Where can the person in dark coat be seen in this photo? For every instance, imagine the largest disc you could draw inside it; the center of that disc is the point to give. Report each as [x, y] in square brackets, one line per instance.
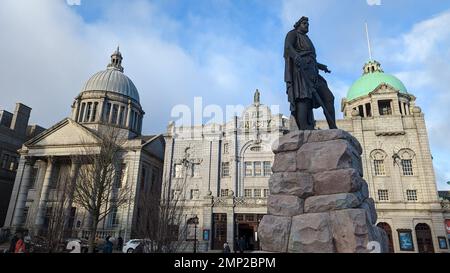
[108, 247]
[119, 243]
[13, 242]
[303, 82]
[241, 245]
[226, 248]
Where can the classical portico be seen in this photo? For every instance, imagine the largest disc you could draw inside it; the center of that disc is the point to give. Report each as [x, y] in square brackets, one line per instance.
[50, 162]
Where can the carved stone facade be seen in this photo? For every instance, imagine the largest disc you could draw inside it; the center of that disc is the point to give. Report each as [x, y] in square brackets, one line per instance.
[54, 156]
[227, 183]
[396, 159]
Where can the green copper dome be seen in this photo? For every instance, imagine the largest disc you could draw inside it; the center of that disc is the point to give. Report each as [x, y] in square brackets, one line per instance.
[372, 78]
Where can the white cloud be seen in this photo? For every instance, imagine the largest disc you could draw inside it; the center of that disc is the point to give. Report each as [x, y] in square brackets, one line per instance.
[422, 56]
[48, 52]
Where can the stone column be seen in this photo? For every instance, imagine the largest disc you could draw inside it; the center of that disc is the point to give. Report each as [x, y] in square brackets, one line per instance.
[403, 108]
[230, 224]
[42, 208]
[73, 179]
[128, 125]
[23, 193]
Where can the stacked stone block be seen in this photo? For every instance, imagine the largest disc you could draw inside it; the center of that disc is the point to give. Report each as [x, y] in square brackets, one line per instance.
[319, 202]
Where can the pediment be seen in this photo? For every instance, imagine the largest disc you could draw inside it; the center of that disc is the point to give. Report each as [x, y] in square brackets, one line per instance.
[64, 133]
[383, 89]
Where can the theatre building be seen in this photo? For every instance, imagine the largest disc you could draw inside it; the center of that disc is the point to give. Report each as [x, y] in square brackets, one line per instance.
[229, 166]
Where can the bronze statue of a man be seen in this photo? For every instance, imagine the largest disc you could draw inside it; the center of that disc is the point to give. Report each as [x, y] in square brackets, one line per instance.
[306, 89]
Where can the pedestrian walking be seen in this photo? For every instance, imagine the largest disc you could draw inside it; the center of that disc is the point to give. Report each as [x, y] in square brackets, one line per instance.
[241, 245]
[119, 243]
[20, 245]
[12, 244]
[108, 247]
[226, 248]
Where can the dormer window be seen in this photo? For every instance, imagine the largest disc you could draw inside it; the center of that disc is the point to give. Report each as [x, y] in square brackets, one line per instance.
[385, 107]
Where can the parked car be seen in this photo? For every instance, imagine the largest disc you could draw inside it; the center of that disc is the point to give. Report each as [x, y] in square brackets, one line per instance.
[133, 244]
[84, 244]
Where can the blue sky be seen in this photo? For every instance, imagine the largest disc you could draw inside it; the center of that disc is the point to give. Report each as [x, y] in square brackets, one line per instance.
[221, 50]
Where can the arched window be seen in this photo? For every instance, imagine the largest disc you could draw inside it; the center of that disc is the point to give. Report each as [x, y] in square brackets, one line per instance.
[387, 228]
[407, 161]
[379, 158]
[424, 238]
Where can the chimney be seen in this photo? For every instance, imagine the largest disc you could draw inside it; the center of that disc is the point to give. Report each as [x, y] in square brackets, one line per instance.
[20, 119]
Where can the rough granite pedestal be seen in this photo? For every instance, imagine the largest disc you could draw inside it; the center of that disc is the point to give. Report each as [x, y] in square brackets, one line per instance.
[319, 202]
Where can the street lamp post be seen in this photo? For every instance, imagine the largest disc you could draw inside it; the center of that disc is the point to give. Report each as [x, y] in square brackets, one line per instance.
[195, 220]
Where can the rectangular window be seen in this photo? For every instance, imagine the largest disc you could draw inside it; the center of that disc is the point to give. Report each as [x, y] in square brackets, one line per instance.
[379, 167]
[25, 215]
[257, 168]
[195, 194]
[176, 195]
[178, 171]
[33, 177]
[121, 114]
[196, 170]
[411, 195]
[361, 111]
[107, 113]
[385, 107]
[87, 117]
[115, 112]
[225, 169]
[407, 167]
[267, 168]
[266, 192]
[94, 112]
[224, 192]
[248, 169]
[81, 113]
[368, 110]
[226, 148]
[248, 193]
[114, 217]
[257, 193]
[5, 160]
[383, 195]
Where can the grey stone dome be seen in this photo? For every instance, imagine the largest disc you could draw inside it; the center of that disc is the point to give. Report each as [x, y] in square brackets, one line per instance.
[112, 80]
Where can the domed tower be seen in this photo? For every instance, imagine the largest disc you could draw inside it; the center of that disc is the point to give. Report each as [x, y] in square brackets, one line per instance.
[376, 93]
[110, 97]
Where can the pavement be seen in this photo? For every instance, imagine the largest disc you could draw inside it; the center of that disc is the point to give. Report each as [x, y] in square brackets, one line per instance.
[3, 247]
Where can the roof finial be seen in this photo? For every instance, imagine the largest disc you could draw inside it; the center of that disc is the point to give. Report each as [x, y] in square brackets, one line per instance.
[368, 42]
[257, 97]
[116, 60]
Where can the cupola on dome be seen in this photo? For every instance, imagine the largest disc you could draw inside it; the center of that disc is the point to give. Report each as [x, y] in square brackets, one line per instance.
[373, 76]
[113, 79]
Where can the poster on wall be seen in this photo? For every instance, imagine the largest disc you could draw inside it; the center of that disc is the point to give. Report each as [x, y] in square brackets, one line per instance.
[447, 225]
[442, 243]
[405, 240]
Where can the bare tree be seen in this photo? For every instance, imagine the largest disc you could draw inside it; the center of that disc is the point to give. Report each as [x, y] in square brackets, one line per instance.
[57, 213]
[162, 218]
[96, 189]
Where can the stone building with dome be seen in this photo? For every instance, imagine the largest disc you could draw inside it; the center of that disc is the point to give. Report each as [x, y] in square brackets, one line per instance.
[231, 165]
[109, 98]
[226, 169]
[398, 164]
